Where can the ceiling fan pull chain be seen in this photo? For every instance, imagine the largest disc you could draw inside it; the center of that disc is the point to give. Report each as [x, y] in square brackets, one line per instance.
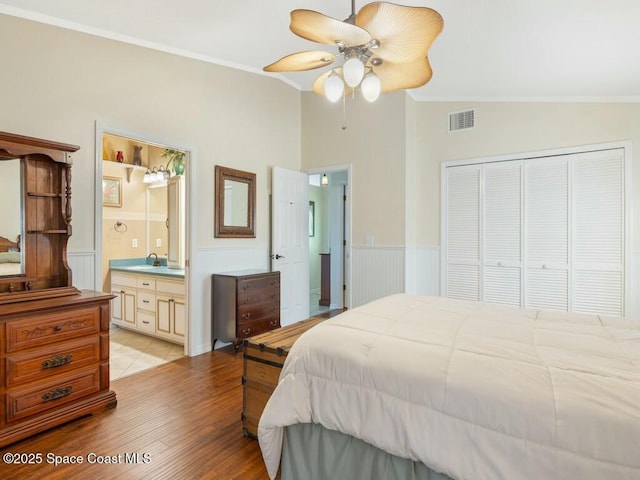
[344, 112]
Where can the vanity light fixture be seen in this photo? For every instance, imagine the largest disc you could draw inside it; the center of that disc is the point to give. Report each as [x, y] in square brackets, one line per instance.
[156, 175]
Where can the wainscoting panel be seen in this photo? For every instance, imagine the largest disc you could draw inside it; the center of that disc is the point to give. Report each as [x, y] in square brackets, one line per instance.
[376, 271]
[82, 266]
[203, 263]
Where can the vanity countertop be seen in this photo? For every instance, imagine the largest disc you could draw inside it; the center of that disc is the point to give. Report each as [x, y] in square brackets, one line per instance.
[144, 266]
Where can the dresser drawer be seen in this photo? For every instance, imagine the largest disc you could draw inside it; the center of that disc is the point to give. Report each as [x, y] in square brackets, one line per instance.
[37, 399]
[146, 301]
[258, 295]
[258, 311]
[43, 363]
[53, 327]
[246, 285]
[249, 329]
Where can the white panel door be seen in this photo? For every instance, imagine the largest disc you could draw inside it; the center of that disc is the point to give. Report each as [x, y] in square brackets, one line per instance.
[502, 232]
[547, 222]
[463, 269]
[598, 223]
[290, 242]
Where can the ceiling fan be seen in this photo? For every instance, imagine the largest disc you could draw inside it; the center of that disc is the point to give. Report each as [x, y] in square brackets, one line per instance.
[384, 47]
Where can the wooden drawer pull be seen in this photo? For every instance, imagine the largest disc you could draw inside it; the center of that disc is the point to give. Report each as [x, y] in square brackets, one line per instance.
[59, 392]
[273, 323]
[57, 361]
[246, 331]
[246, 316]
[57, 328]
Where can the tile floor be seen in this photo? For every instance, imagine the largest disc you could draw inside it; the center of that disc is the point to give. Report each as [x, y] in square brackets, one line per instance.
[314, 307]
[132, 352]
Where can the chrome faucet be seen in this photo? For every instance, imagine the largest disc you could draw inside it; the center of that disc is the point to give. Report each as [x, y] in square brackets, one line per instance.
[156, 262]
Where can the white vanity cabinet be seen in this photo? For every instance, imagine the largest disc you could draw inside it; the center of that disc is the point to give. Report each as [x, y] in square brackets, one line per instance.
[170, 309]
[149, 304]
[123, 306]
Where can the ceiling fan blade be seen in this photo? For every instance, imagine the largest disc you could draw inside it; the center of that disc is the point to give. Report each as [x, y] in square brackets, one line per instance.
[319, 28]
[301, 61]
[318, 85]
[400, 76]
[405, 33]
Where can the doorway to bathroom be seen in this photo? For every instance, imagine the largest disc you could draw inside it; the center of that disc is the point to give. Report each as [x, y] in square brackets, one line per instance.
[141, 225]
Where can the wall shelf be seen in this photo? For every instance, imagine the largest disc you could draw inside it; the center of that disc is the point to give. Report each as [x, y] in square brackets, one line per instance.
[129, 168]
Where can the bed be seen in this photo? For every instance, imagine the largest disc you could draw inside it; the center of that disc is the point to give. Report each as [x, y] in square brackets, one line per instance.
[10, 257]
[458, 389]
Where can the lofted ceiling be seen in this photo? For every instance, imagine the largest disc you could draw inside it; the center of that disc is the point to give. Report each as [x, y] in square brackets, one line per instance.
[520, 50]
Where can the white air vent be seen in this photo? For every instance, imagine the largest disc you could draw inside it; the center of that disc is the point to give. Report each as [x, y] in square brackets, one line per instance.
[462, 120]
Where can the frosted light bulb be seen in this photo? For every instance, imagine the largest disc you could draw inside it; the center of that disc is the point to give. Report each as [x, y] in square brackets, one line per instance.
[333, 87]
[370, 87]
[353, 71]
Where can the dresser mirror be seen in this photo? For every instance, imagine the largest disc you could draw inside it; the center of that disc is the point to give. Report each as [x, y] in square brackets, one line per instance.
[35, 218]
[11, 226]
[235, 200]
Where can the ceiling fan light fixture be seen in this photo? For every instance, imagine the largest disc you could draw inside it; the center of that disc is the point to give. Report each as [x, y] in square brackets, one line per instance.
[333, 87]
[353, 71]
[370, 87]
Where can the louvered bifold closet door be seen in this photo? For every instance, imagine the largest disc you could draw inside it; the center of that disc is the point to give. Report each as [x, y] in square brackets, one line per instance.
[462, 274]
[598, 232]
[546, 183]
[502, 238]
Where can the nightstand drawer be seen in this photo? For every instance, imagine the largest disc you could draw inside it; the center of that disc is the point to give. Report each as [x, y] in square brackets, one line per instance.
[43, 363]
[47, 396]
[52, 327]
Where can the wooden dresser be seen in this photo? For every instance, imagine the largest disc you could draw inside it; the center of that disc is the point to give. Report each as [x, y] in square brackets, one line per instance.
[54, 338]
[244, 304]
[55, 354]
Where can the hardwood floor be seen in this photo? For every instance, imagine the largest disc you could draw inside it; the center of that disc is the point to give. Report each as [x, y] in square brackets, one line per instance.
[182, 419]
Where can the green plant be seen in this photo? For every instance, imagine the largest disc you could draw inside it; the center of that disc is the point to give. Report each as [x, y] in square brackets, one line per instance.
[176, 157]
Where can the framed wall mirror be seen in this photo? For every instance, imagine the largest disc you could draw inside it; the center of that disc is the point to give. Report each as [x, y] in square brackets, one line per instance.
[235, 201]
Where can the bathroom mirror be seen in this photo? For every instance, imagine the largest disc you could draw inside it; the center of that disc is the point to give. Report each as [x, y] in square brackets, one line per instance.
[11, 208]
[235, 199]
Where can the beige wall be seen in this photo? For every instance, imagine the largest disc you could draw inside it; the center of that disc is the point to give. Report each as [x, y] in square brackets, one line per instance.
[374, 143]
[57, 83]
[506, 128]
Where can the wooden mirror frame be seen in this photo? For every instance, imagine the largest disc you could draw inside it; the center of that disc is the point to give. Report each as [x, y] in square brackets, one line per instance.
[46, 218]
[230, 231]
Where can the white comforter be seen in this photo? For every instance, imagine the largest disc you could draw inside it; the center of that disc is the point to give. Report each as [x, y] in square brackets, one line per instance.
[473, 390]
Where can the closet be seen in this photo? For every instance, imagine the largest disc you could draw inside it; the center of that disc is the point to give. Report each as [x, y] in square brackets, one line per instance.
[545, 232]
